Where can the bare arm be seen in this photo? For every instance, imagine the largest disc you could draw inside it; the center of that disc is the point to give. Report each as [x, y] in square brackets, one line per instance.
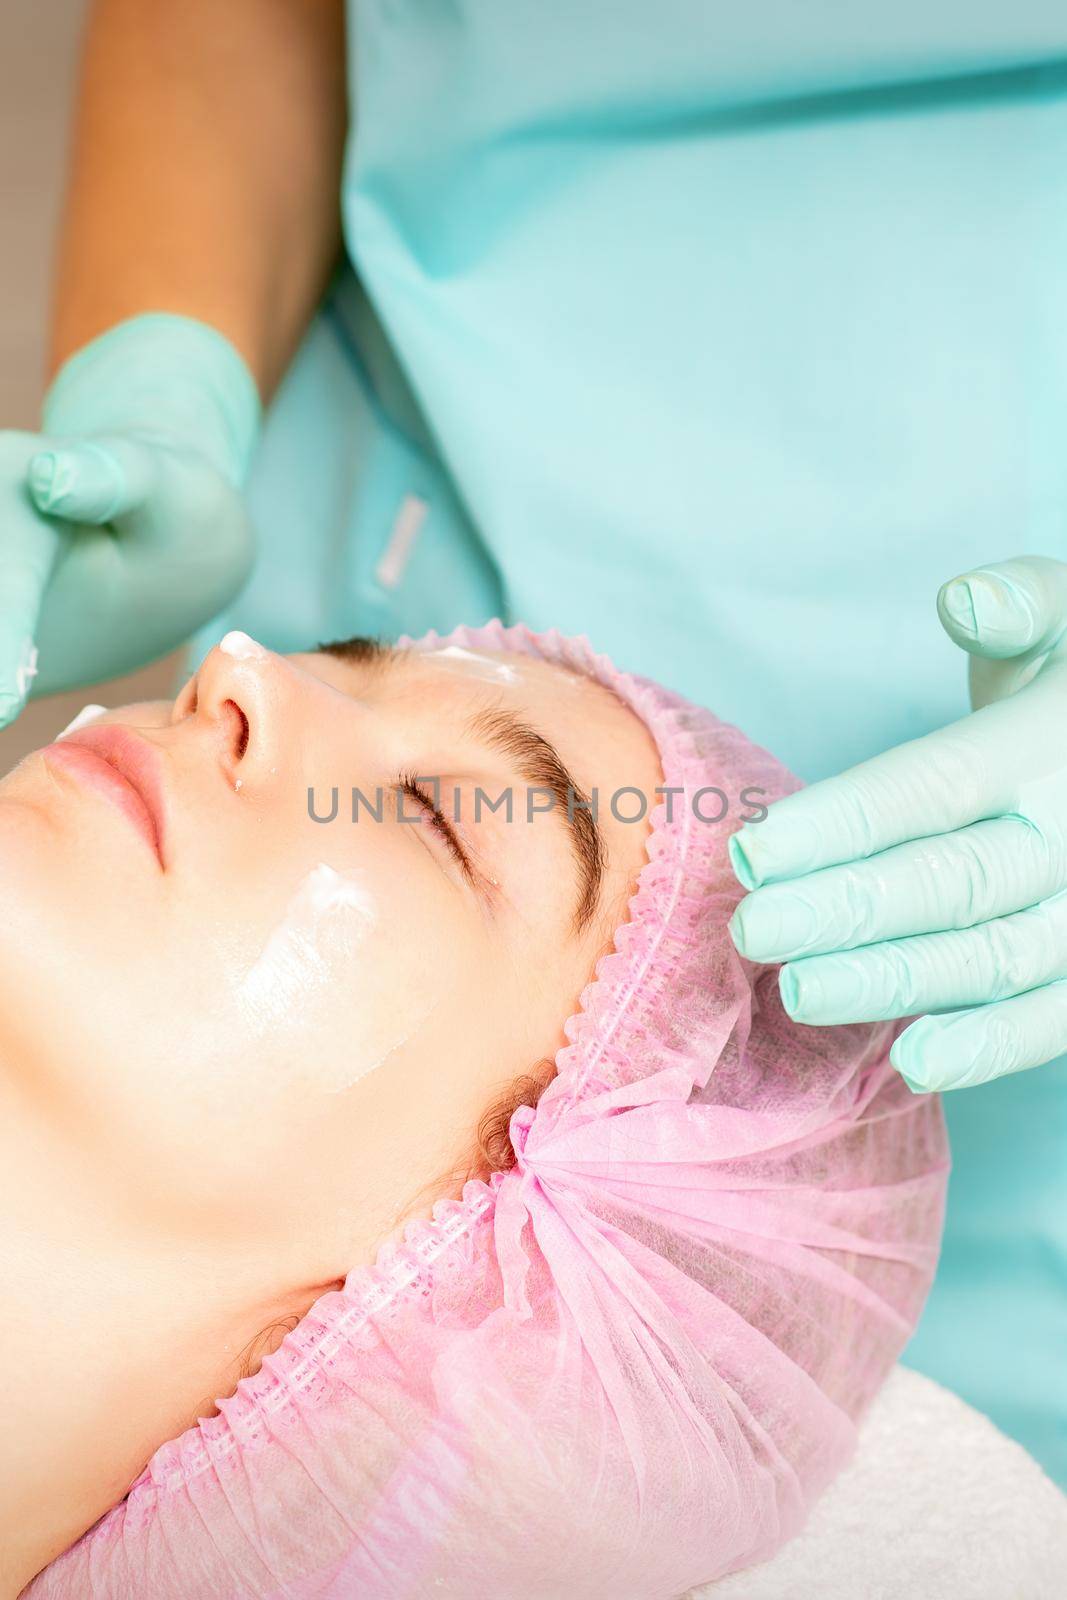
[205, 177]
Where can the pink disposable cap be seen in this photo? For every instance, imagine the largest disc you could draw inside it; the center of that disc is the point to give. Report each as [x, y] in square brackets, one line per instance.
[629, 1364]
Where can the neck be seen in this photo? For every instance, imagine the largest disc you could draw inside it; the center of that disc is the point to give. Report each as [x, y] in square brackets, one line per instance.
[120, 1338]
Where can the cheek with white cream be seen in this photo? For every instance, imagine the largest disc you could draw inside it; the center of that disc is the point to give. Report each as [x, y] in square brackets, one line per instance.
[307, 960]
[329, 915]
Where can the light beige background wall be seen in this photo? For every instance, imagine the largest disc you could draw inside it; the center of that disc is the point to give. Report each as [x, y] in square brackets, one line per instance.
[38, 48]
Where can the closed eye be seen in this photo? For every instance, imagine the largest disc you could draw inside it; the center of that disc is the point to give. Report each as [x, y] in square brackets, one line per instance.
[409, 785]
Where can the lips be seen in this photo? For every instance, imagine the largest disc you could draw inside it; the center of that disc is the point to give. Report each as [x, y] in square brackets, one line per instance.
[124, 769]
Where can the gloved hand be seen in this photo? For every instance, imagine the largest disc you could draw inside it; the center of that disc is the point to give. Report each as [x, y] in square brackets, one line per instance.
[933, 878]
[122, 527]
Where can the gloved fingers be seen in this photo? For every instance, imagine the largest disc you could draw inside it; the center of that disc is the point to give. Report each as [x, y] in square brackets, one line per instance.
[924, 886]
[1010, 616]
[162, 571]
[962, 1048]
[931, 971]
[1007, 608]
[28, 553]
[92, 480]
[931, 785]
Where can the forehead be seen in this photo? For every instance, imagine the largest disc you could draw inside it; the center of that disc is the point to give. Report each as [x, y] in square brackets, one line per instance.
[593, 729]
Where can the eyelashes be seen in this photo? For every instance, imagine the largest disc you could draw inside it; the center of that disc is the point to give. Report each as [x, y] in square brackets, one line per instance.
[409, 785]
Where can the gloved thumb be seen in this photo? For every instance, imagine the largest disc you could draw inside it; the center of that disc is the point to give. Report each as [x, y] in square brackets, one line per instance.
[1008, 616]
[1006, 609]
[91, 481]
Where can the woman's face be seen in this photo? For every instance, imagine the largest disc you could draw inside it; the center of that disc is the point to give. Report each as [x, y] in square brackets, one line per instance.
[246, 1008]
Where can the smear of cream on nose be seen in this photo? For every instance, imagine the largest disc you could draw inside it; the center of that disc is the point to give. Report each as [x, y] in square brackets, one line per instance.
[326, 919]
[86, 714]
[240, 646]
[478, 666]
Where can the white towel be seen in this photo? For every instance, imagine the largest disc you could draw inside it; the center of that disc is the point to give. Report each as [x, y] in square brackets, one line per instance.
[935, 1505]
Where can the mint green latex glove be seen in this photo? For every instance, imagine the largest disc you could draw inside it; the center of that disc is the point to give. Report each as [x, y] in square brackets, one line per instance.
[122, 526]
[933, 878]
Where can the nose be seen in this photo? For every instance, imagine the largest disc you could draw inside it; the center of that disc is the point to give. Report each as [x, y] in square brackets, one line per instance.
[237, 693]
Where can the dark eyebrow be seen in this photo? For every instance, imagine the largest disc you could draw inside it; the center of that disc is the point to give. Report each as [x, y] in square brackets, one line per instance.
[361, 651]
[536, 760]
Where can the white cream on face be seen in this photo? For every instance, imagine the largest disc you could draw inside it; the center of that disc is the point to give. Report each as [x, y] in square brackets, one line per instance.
[360, 1071]
[326, 919]
[241, 647]
[304, 959]
[86, 714]
[308, 953]
[474, 664]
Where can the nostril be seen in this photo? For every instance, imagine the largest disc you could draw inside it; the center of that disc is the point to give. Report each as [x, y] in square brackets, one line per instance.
[242, 733]
[186, 700]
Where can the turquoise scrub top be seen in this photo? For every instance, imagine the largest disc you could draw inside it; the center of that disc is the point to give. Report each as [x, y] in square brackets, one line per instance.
[723, 334]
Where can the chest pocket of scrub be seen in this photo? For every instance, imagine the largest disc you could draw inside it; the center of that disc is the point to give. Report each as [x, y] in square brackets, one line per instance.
[412, 558]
